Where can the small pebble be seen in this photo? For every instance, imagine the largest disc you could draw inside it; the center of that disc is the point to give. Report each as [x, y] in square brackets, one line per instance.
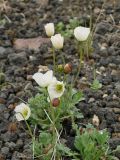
[102, 68]
[105, 95]
[114, 72]
[2, 100]
[116, 110]
[91, 100]
[112, 65]
[97, 10]
[29, 77]
[115, 97]
[84, 79]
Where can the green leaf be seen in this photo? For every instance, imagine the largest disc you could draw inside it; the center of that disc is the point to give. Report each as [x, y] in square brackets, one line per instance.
[77, 97]
[65, 150]
[92, 144]
[37, 105]
[45, 138]
[76, 112]
[113, 158]
[2, 22]
[96, 85]
[117, 149]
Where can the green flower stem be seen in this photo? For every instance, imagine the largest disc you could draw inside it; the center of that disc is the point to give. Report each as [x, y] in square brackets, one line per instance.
[52, 113]
[94, 72]
[63, 59]
[53, 119]
[29, 129]
[32, 136]
[55, 132]
[87, 49]
[80, 61]
[65, 78]
[54, 61]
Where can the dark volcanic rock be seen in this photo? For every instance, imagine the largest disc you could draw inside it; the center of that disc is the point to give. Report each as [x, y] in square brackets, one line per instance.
[27, 21]
[103, 27]
[19, 59]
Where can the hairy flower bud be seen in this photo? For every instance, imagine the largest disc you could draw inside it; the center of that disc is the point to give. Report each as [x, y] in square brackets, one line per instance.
[49, 28]
[55, 102]
[60, 68]
[68, 68]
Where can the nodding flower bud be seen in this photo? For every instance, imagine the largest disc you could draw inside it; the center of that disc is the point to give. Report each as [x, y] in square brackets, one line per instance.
[55, 102]
[68, 68]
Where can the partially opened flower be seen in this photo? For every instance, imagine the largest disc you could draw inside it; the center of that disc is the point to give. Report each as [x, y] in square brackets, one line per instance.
[56, 89]
[50, 29]
[23, 112]
[81, 33]
[57, 41]
[44, 80]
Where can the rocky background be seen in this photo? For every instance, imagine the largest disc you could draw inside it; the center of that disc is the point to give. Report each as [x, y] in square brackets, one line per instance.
[19, 59]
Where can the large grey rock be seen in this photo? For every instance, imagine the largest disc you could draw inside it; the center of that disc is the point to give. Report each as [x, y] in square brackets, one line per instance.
[5, 150]
[2, 52]
[19, 59]
[2, 108]
[8, 137]
[19, 143]
[10, 145]
[103, 27]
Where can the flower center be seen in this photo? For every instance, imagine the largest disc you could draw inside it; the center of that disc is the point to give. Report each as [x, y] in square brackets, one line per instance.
[59, 87]
[25, 113]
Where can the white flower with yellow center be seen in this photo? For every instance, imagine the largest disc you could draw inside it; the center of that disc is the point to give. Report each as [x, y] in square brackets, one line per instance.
[56, 89]
[23, 112]
[43, 80]
[81, 33]
[50, 29]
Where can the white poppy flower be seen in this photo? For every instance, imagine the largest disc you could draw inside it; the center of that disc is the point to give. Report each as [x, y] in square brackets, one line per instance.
[56, 89]
[50, 29]
[23, 112]
[44, 80]
[81, 33]
[57, 41]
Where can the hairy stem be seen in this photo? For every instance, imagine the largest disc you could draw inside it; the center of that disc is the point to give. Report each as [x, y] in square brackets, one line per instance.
[54, 62]
[80, 63]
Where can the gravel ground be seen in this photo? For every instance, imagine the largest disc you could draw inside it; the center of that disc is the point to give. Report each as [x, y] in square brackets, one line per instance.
[26, 19]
